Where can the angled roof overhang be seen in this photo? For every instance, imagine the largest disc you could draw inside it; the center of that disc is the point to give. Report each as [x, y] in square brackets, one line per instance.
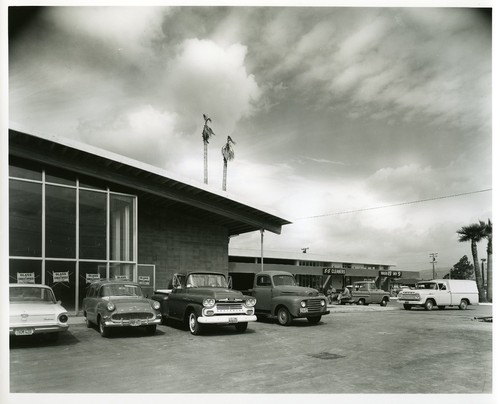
[147, 182]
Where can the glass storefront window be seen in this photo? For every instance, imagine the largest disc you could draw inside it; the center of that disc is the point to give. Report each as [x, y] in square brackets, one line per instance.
[61, 277]
[92, 225]
[62, 178]
[26, 173]
[89, 272]
[25, 219]
[25, 271]
[121, 271]
[121, 227]
[43, 233]
[60, 222]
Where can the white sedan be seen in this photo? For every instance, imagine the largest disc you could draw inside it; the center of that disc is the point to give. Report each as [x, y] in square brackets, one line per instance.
[33, 309]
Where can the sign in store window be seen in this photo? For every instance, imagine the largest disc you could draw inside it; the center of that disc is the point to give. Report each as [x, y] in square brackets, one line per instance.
[25, 277]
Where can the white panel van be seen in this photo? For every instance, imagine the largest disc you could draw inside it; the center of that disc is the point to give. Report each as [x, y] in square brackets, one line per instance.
[440, 293]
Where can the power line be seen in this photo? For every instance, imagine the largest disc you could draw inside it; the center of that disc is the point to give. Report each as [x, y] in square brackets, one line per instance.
[394, 205]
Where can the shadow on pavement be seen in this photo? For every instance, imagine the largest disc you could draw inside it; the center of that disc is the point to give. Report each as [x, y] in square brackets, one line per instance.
[42, 340]
[129, 332]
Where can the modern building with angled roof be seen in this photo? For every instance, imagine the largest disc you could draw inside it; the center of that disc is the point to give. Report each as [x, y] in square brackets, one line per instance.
[78, 213]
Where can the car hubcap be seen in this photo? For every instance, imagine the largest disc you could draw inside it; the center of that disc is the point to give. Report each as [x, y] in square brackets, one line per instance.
[282, 316]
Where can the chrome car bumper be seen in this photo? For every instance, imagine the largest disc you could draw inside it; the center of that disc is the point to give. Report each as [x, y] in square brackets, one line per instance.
[227, 319]
[131, 322]
[27, 329]
[312, 314]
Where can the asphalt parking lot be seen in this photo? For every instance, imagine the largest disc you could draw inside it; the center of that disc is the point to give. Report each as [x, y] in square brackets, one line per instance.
[354, 350]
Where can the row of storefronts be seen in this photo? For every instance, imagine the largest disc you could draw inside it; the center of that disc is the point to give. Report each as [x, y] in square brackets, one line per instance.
[315, 271]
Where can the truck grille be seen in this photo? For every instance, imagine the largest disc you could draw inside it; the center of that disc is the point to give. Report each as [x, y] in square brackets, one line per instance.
[229, 307]
[408, 296]
[314, 305]
[132, 316]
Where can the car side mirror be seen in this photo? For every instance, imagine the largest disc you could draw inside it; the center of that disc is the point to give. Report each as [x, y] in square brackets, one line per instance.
[230, 283]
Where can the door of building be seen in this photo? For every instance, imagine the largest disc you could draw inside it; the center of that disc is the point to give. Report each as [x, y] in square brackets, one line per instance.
[146, 278]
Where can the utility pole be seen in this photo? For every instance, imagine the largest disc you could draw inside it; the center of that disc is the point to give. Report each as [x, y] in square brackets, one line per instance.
[261, 250]
[433, 256]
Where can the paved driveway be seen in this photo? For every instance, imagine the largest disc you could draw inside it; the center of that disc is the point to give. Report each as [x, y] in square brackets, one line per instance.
[352, 351]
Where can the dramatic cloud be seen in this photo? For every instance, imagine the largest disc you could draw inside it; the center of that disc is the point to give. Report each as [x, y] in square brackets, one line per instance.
[208, 78]
[333, 110]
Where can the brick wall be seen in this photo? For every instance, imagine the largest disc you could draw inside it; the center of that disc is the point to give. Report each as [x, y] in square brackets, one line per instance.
[177, 243]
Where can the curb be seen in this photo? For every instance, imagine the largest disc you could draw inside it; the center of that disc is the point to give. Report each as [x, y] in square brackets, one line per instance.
[352, 308]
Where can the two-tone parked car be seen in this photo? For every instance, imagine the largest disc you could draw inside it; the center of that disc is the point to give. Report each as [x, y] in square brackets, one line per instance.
[33, 309]
[199, 298]
[113, 304]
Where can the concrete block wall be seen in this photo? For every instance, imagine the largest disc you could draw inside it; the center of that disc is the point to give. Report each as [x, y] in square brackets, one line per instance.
[174, 242]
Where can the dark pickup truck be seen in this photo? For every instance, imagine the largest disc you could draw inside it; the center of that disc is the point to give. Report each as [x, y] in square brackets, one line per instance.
[198, 298]
[278, 295]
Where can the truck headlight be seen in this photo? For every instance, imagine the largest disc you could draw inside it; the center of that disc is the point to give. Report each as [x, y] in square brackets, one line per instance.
[156, 305]
[209, 302]
[250, 302]
[110, 306]
[322, 303]
[303, 303]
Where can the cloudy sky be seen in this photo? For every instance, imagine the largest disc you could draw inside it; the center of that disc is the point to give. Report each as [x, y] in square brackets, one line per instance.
[368, 128]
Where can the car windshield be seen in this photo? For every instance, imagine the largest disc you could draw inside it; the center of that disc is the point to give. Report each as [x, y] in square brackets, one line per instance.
[121, 289]
[426, 285]
[286, 280]
[28, 294]
[206, 280]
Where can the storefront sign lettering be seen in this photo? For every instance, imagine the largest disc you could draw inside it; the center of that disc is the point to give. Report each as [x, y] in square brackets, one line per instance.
[333, 271]
[392, 274]
[144, 280]
[121, 277]
[60, 276]
[25, 277]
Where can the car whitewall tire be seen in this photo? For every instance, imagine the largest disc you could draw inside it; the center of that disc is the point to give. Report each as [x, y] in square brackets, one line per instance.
[194, 326]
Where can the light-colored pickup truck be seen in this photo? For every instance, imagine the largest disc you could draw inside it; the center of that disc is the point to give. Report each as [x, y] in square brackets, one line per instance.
[440, 293]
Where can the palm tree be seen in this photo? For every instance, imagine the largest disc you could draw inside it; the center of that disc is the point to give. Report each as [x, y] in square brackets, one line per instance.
[206, 134]
[227, 155]
[474, 233]
[488, 234]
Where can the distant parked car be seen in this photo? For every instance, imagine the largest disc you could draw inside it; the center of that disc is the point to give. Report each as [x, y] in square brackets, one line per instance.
[398, 289]
[365, 293]
[111, 304]
[33, 309]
